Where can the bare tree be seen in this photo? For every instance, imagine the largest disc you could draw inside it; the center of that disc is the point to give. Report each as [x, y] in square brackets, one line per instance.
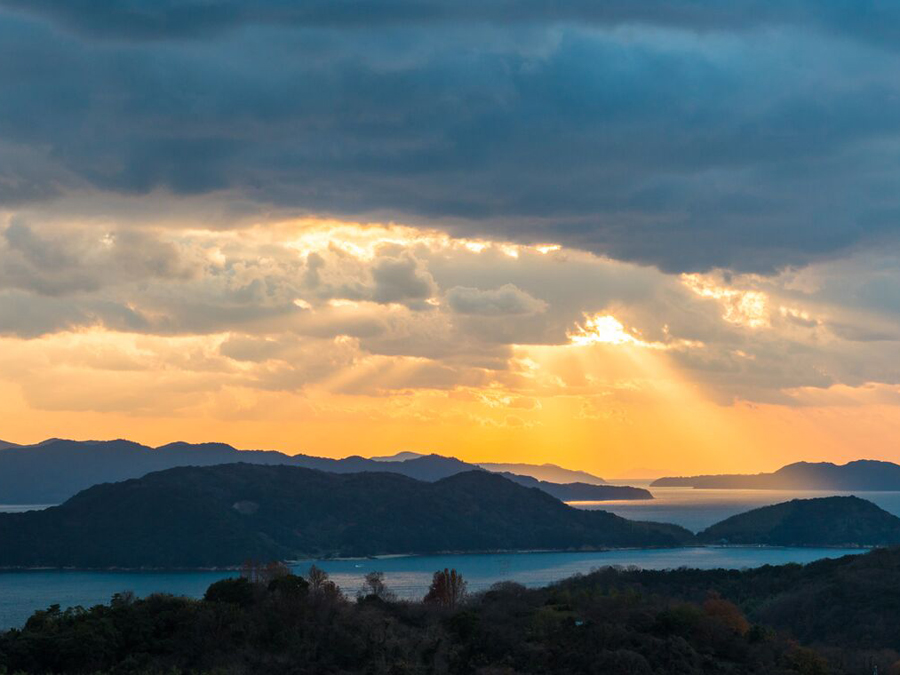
[317, 578]
[448, 589]
[373, 586]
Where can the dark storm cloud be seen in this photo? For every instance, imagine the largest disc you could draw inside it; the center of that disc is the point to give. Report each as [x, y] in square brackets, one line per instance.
[159, 19]
[696, 137]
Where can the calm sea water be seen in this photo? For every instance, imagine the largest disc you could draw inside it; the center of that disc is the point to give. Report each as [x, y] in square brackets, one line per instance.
[698, 509]
[21, 593]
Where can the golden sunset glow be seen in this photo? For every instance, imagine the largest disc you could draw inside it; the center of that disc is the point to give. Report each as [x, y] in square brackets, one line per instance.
[613, 241]
[335, 338]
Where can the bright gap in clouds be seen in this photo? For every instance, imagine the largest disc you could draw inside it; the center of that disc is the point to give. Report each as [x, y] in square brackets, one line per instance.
[478, 348]
[606, 329]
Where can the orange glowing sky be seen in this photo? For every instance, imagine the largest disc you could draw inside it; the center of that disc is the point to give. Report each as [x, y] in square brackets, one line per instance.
[335, 338]
[624, 237]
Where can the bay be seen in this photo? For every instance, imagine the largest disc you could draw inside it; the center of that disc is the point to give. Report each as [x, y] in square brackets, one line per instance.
[23, 592]
[698, 509]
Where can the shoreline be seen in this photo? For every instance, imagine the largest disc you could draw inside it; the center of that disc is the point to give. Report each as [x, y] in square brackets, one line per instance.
[390, 556]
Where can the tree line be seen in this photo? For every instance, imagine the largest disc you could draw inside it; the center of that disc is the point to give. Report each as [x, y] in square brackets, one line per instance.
[834, 616]
[271, 620]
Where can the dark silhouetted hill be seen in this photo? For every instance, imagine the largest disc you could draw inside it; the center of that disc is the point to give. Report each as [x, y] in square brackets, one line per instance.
[864, 474]
[397, 457]
[581, 492]
[829, 521]
[550, 473]
[225, 514]
[52, 471]
[545, 472]
[6, 444]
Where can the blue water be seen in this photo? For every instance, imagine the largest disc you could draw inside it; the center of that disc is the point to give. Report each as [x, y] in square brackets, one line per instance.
[21, 593]
[698, 509]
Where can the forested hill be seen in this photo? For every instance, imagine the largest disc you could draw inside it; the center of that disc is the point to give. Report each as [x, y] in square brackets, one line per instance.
[861, 475]
[829, 521]
[581, 492]
[52, 471]
[225, 514]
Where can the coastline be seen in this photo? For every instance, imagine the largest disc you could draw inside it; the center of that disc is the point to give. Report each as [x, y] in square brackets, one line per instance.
[393, 556]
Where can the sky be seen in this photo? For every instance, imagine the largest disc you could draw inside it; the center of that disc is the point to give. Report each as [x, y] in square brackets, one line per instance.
[632, 238]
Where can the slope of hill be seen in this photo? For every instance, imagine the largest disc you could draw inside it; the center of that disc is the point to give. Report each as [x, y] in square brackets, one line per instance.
[545, 472]
[222, 515]
[429, 467]
[828, 521]
[52, 471]
[864, 474]
[397, 457]
[6, 444]
[581, 492]
[550, 473]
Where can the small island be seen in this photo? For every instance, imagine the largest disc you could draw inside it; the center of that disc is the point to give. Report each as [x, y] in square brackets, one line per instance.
[828, 521]
[859, 476]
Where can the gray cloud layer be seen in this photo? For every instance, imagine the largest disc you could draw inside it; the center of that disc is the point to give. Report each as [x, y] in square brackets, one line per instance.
[162, 19]
[385, 309]
[688, 134]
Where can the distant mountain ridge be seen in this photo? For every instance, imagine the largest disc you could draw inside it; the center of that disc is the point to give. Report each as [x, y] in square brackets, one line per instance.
[580, 492]
[826, 521]
[551, 473]
[859, 475]
[54, 470]
[546, 472]
[6, 444]
[398, 457]
[222, 515]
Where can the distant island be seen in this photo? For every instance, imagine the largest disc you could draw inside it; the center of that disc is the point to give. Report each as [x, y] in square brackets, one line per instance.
[581, 492]
[861, 475]
[827, 521]
[56, 469]
[216, 516]
[546, 472]
[220, 516]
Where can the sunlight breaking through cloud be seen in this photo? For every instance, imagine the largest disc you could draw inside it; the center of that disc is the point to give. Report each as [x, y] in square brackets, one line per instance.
[747, 308]
[607, 329]
[604, 329]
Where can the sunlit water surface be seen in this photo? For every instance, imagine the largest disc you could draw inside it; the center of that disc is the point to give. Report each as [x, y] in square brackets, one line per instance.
[698, 509]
